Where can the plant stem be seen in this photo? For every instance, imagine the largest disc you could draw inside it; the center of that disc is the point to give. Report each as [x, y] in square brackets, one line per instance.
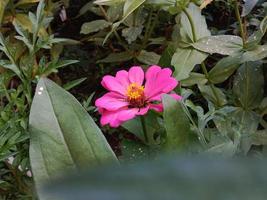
[115, 32]
[144, 128]
[204, 69]
[6, 92]
[203, 66]
[241, 27]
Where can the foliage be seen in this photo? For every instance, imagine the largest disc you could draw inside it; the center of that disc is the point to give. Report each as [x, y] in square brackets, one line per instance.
[216, 49]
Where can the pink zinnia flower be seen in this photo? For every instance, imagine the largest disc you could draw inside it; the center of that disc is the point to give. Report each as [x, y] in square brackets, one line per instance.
[134, 93]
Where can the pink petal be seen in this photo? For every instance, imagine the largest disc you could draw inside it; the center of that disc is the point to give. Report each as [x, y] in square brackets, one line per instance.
[123, 77]
[143, 111]
[117, 117]
[159, 97]
[159, 81]
[136, 75]
[157, 107]
[111, 101]
[127, 114]
[112, 84]
[176, 96]
[111, 118]
[152, 71]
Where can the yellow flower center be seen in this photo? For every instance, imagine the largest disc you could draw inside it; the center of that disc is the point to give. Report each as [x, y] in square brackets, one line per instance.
[135, 95]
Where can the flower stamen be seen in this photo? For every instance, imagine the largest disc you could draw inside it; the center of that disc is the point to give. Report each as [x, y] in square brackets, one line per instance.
[135, 95]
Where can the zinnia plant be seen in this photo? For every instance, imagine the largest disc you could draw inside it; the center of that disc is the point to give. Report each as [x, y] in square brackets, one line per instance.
[133, 93]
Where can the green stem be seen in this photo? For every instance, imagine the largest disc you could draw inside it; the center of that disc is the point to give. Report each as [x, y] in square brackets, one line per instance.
[241, 27]
[203, 66]
[147, 29]
[204, 69]
[6, 93]
[144, 128]
[102, 9]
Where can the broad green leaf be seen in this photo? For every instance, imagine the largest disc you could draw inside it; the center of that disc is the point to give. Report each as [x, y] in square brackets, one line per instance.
[223, 69]
[131, 33]
[221, 44]
[256, 37]
[149, 58]
[194, 79]
[63, 137]
[94, 26]
[166, 56]
[23, 2]
[130, 6]
[134, 126]
[199, 22]
[248, 6]
[260, 52]
[248, 85]
[115, 12]
[259, 137]
[74, 83]
[133, 151]
[247, 123]
[176, 123]
[226, 149]
[3, 4]
[246, 120]
[116, 57]
[213, 94]
[90, 6]
[184, 61]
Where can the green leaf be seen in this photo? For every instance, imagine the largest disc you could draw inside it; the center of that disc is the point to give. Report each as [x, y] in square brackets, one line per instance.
[90, 6]
[259, 137]
[248, 6]
[248, 85]
[134, 126]
[194, 79]
[247, 123]
[224, 69]
[8, 65]
[63, 136]
[166, 57]
[3, 4]
[199, 22]
[116, 57]
[133, 151]
[209, 91]
[52, 66]
[184, 61]
[94, 26]
[149, 58]
[258, 53]
[256, 37]
[108, 2]
[130, 6]
[23, 2]
[226, 149]
[131, 33]
[221, 44]
[176, 123]
[73, 84]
